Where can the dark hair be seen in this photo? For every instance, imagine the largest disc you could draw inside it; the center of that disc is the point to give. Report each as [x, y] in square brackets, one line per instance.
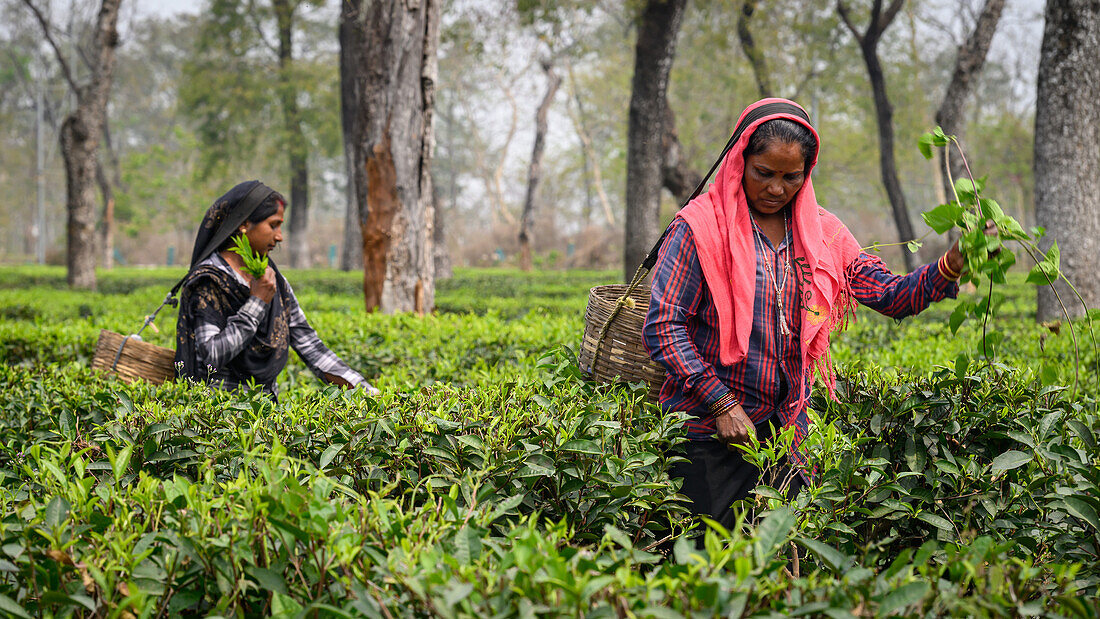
[266, 209]
[783, 131]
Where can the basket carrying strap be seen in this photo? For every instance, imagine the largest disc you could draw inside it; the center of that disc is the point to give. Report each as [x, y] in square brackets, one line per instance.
[650, 260]
[169, 299]
[118, 353]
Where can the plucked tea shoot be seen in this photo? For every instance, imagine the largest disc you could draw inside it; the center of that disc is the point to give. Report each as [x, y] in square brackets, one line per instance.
[254, 263]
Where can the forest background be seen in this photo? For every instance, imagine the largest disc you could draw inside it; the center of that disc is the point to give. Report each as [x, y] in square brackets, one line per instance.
[194, 109]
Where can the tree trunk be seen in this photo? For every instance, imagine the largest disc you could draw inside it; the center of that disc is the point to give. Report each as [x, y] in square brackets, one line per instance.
[351, 258]
[107, 190]
[440, 254]
[80, 135]
[534, 169]
[296, 146]
[654, 53]
[968, 67]
[884, 115]
[107, 236]
[350, 36]
[393, 70]
[752, 52]
[676, 175]
[1067, 155]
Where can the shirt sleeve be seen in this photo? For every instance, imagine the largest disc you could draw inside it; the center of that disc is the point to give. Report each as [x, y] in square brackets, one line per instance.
[897, 296]
[317, 357]
[675, 295]
[216, 345]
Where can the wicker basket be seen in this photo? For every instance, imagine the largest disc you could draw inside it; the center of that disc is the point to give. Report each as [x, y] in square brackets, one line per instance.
[612, 348]
[132, 359]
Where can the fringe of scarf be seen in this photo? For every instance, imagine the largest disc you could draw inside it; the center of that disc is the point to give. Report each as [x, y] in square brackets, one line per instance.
[841, 315]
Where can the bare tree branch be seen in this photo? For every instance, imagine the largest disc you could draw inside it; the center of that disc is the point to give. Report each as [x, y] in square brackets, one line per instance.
[845, 16]
[752, 51]
[891, 12]
[57, 50]
[259, 29]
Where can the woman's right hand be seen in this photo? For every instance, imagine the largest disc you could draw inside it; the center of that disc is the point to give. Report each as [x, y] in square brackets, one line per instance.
[264, 287]
[734, 426]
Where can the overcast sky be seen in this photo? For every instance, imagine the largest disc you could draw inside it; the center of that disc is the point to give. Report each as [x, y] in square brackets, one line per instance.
[166, 8]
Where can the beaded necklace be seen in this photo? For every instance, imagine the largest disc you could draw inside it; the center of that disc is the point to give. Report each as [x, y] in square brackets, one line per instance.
[784, 329]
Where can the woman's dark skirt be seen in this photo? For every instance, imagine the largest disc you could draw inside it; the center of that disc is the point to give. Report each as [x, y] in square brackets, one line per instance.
[715, 476]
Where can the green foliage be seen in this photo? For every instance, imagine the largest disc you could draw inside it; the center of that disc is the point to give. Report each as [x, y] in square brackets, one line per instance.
[490, 479]
[235, 87]
[254, 263]
[987, 256]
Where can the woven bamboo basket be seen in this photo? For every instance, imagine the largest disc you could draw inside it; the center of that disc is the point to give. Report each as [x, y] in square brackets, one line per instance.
[612, 348]
[132, 359]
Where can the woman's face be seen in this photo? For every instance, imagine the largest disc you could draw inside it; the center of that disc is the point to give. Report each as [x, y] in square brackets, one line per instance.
[773, 177]
[265, 235]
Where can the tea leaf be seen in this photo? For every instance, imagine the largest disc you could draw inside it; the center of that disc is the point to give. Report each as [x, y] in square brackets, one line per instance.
[268, 579]
[943, 217]
[9, 606]
[254, 264]
[771, 532]
[924, 143]
[902, 597]
[57, 511]
[1083, 510]
[1009, 460]
[1046, 272]
[831, 557]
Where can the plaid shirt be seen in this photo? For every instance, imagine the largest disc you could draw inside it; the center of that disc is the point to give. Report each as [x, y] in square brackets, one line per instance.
[216, 346]
[681, 330]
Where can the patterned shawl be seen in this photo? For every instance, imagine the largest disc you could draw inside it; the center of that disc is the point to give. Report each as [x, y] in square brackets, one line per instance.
[211, 296]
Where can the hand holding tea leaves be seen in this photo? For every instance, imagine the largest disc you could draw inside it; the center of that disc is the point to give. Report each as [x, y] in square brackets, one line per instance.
[263, 283]
[983, 249]
[254, 263]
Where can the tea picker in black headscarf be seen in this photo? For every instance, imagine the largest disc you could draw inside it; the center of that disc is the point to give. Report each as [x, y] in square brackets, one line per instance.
[233, 328]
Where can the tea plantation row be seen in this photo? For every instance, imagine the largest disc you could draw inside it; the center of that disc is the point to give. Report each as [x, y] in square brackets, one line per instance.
[490, 479]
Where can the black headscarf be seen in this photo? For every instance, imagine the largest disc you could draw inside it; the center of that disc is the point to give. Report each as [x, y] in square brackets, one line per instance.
[211, 296]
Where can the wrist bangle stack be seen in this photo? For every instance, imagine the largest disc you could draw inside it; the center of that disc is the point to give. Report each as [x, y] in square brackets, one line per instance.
[723, 404]
[945, 270]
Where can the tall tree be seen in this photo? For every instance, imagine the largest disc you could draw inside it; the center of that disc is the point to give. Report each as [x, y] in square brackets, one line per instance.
[534, 168]
[107, 186]
[868, 41]
[968, 67]
[1067, 148]
[393, 76]
[354, 216]
[80, 135]
[254, 86]
[297, 149]
[655, 50]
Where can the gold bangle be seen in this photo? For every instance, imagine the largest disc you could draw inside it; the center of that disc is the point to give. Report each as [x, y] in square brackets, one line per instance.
[946, 271]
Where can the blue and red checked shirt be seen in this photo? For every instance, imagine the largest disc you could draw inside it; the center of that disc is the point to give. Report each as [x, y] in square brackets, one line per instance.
[681, 330]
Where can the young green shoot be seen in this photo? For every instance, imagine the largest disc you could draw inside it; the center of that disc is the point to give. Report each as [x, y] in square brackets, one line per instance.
[254, 263]
[986, 255]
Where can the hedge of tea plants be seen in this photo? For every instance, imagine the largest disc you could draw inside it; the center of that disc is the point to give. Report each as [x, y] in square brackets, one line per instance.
[491, 479]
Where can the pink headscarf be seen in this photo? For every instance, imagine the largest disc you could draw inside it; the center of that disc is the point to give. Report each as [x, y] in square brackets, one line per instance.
[722, 226]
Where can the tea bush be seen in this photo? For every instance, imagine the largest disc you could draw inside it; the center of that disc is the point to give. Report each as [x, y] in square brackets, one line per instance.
[489, 479]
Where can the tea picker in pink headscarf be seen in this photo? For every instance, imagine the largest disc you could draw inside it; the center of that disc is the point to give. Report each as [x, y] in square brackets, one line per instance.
[751, 279]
